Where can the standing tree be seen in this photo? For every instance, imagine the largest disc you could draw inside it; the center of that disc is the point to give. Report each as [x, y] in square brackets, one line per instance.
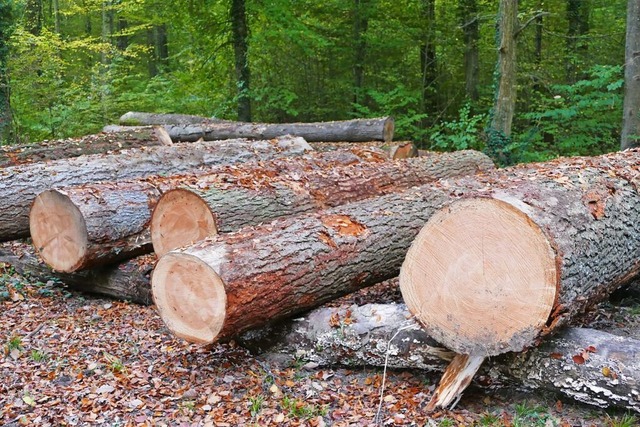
[428, 59]
[630, 136]
[240, 34]
[578, 17]
[470, 24]
[360, 24]
[6, 27]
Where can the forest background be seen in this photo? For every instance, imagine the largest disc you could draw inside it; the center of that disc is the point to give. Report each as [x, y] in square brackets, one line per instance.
[67, 68]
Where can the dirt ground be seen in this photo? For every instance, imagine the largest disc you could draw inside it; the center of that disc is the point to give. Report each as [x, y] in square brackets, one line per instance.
[68, 359]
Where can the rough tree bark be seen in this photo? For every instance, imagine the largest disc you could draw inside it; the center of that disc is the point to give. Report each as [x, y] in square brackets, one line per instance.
[138, 118]
[590, 366]
[495, 271]
[212, 204]
[630, 135]
[356, 130]
[240, 38]
[90, 144]
[110, 221]
[19, 185]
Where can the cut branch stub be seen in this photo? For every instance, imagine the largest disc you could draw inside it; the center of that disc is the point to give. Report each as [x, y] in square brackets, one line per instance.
[481, 276]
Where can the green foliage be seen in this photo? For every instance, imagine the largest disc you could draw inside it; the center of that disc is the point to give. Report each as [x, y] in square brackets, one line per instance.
[461, 134]
[298, 409]
[626, 420]
[255, 404]
[38, 356]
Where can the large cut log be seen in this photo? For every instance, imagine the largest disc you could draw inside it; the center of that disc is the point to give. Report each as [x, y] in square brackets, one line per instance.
[107, 222]
[90, 144]
[19, 185]
[587, 365]
[356, 130]
[126, 281]
[524, 254]
[231, 283]
[220, 203]
[137, 118]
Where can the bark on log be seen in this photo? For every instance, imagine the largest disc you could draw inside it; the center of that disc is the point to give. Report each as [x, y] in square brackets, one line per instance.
[492, 272]
[231, 283]
[356, 130]
[128, 281]
[590, 366]
[110, 221]
[91, 144]
[221, 203]
[396, 150]
[137, 118]
[19, 185]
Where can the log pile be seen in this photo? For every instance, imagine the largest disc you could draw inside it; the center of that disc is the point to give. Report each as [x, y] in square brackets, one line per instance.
[492, 263]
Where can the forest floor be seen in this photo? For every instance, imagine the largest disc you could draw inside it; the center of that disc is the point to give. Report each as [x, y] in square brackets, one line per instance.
[68, 359]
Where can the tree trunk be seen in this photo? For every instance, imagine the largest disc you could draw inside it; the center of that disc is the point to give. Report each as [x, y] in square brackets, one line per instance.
[136, 118]
[578, 18]
[19, 185]
[33, 16]
[110, 221]
[219, 203]
[541, 243]
[240, 37]
[471, 35]
[360, 25]
[129, 280]
[356, 130]
[499, 130]
[428, 58]
[56, 16]
[589, 366]
[90, 144]
[630, 135]
[6, 28]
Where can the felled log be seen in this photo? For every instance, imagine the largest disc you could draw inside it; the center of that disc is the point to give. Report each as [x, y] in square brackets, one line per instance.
[396, 149]
[195, 209]
[356, 130]
[107, 222]
[522, 255]
[128, 280]
[138, 118]
[590, 366]
[90, 144]
[19, 185]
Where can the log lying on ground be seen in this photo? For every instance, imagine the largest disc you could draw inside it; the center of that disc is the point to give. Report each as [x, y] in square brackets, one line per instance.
[587, 365]
[396, 150]
[138, 118]
[128, 281]
[91, 144]
[220, 203]
[231, 283]
[492, 272]
[356, 130]
[107, 222]
[19, 185]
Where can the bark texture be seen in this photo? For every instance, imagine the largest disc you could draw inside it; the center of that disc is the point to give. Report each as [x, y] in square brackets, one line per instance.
[590, 366]
[138, 118]
[129, 280]
[19, 185]
[113, 221]
[91, 144]
[226, 203]
[630, 135]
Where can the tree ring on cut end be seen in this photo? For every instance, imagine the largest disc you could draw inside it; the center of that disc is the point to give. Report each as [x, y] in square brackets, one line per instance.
[190, 297]
[481, 277]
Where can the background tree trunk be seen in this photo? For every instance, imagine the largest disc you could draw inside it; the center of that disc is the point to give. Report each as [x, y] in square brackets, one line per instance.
[6, 28]
[428, 60]
[577, 46]
[469, 20]
[360, 25]
[630, 136]
[240, 38]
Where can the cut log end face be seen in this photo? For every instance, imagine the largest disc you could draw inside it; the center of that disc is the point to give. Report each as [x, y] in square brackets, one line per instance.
[190, 297]
[389, 128]
[481, 277]
[179, 219]
[58, 231]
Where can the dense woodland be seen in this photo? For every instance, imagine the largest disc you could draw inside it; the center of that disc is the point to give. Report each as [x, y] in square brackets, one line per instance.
[70, 67]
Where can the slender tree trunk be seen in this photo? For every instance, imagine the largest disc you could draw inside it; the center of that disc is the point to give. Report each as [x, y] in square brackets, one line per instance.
[499, 130]
[162, 45]
[152, 65]
[122, 41]
[240, 35]
[471, 34]
[578, 17]
[360, 25]
[33, 16]
[428, 60]
[630, 135]
[56, 16]
[6, 26]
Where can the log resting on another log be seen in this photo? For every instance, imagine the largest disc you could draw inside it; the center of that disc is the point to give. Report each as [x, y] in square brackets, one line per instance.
[590, 366]
[215, 203]
[19, 185]
[356, 130]
[138, 118]
[110, 142]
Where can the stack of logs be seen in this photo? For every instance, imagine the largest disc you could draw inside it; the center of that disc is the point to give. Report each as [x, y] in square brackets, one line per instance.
[242, 232]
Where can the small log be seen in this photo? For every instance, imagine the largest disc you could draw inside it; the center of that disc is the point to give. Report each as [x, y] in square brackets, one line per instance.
[590, 366]
[356, 130]
[524, 254]
[108, 222]
[19, 185]
[405, 150]
[215, 203]
[91, 144]
[137, 118]
[396, 150]
[128, 281]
